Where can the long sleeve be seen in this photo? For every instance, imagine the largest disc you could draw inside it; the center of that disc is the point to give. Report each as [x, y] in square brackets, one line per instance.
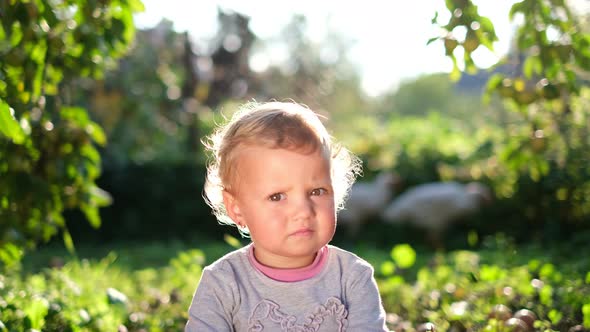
[365, 310]
[212, 305]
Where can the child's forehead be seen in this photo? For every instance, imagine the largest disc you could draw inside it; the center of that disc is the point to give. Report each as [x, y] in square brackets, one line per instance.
[258, 154]
[304, 149]
[277, 163]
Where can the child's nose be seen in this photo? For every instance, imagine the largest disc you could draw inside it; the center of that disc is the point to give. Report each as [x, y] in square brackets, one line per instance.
[304, 208]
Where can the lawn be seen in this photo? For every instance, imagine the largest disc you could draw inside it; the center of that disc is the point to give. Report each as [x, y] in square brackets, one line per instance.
[495, 286]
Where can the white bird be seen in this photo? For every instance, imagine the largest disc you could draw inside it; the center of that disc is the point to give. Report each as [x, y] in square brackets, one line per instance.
[367, 200]
[434, 206]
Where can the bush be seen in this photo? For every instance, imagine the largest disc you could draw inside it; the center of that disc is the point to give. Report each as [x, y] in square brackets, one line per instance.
[480, 291]
[151, 202]
[462, 290]
[101, 296]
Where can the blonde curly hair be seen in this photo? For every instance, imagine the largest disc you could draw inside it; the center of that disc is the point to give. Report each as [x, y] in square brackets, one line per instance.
[276, 125]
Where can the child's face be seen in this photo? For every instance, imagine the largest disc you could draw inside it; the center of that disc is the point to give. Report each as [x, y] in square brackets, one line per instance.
[286, 200]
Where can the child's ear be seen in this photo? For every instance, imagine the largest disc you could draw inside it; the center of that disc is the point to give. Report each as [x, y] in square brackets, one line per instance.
[232, 208]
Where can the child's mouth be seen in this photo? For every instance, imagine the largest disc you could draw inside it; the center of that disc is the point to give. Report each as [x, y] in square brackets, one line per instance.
[303, 232]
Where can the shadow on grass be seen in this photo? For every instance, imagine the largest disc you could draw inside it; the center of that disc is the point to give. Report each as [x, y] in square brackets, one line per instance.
[130, 255]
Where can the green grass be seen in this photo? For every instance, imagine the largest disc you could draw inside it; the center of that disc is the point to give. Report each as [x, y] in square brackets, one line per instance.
[149, 285]
[137, 255]
[131, 255]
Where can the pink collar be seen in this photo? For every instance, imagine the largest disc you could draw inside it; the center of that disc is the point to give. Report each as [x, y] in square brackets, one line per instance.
[291, 275]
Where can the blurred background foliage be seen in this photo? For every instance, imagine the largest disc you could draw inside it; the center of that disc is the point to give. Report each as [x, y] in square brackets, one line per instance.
[97, 115]
[100, 129]
[49, 160]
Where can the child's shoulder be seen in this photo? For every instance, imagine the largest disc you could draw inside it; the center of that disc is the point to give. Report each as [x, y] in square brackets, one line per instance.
[349, 258]
[230, 260]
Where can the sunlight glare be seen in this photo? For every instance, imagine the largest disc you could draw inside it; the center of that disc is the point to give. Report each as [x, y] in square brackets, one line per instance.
[386, 43]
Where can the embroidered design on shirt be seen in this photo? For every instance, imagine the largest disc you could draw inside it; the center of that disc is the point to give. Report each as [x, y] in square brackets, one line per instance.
[330, 316]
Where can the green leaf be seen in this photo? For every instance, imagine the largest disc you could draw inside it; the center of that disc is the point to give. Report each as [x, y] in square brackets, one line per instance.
[472, 238]
[395, 280]
[9, 126]
[90, 152]
[586, 312]
[435, 18]
[36, 311]
[456, 72]
[97, 134]
[518, 7]
[135, 6]
[450, 5]
[545, 9]
[403, 255]
[68, 242]
[387, 268]
[487, 26]
[77, 114]
[92, 214]
[431, 40]
[534, 265]
[232, 241]
[491, 273]
[10, 254]
[545, 295]
[16, 36]
[494, 82]
[532, 65]
[555, 316]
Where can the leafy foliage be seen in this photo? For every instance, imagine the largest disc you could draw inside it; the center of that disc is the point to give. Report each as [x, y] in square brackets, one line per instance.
[139, 103]
[444, 96]
[48, 155]
[145, 207]
[101, 296]
[156, 104]
[418, 148]
[480, 291]
[458, 291]
[544, 81]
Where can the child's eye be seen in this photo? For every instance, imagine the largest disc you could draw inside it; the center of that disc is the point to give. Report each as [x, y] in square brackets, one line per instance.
[319, 192]
[276, 197]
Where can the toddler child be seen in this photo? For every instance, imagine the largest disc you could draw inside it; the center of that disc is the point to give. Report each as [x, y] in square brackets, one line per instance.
[280, 178]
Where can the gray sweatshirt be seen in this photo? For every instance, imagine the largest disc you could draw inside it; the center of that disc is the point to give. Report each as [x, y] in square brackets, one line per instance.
[233, 295]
